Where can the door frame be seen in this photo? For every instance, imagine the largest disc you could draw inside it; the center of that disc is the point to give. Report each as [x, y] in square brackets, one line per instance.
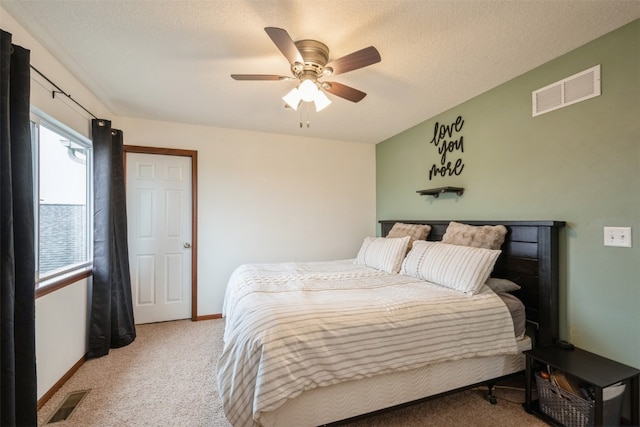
[194, 208]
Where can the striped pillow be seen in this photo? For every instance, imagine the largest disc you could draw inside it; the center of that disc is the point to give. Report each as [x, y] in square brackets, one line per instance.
[461, 268]
[383, 253]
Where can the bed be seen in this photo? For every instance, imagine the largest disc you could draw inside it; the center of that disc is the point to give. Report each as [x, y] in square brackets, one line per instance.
[368, 343]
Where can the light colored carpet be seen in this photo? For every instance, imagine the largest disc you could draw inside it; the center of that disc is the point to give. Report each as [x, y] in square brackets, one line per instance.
[166, 377]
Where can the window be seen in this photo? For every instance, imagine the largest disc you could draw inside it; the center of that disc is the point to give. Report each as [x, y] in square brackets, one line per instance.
[62, 171]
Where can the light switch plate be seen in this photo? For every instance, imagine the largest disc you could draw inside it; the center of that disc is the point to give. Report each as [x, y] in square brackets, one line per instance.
[617, 236]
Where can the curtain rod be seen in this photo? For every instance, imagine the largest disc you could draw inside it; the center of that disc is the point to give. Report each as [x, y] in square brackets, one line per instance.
[53, 92]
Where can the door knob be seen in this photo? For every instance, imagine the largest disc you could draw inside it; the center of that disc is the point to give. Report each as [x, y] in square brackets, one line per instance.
[187, 245]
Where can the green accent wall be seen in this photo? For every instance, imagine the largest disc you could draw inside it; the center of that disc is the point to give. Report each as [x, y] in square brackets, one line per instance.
[579, 164]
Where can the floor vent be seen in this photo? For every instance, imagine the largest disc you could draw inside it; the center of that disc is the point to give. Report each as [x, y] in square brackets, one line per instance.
[577, 88]
[68, 405]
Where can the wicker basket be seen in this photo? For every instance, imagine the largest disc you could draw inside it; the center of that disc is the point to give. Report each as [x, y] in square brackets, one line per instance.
[572, 410]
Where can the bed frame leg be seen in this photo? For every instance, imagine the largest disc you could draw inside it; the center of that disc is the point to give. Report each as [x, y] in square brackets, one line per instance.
[490, 396]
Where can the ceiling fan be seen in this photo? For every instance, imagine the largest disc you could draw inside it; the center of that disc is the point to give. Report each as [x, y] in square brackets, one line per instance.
[310, 64]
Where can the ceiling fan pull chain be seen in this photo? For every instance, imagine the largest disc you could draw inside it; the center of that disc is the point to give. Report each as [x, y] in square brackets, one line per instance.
[304, 113]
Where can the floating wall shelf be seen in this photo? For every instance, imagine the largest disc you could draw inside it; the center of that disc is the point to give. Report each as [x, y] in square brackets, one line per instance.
[435, 192]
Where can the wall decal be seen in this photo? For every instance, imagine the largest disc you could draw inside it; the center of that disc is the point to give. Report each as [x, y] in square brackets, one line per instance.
[446, 140]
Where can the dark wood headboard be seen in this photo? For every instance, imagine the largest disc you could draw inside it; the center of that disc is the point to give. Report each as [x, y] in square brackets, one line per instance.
[530, 257]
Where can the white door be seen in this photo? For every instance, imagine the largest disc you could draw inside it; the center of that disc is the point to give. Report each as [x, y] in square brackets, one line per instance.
[159, 231]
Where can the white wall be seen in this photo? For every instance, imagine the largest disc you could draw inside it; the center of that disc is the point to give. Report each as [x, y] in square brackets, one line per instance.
[261, 198]
[59, 107]
[61, 328]
[265, 197]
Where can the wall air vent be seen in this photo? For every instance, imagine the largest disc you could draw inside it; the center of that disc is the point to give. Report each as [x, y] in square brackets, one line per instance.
[576, 88]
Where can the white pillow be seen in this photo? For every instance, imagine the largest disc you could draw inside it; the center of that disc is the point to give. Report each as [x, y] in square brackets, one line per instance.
[461, 268]
[383, 253]
[501, 285]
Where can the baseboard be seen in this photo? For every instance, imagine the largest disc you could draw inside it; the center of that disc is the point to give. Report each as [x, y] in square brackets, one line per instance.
[45, 397]
[209, 317]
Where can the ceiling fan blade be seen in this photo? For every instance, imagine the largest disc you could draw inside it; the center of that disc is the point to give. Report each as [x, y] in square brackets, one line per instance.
[353, 61]
[285, 43]
[344, 91]
[258, 77]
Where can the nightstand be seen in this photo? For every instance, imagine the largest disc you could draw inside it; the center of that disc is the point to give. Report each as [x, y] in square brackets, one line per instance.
[596, 370]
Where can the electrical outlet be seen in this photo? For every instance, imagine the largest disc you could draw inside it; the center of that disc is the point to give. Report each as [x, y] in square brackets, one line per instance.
[617, 236]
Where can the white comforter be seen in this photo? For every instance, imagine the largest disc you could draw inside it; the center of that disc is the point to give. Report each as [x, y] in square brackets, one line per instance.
[291, 327]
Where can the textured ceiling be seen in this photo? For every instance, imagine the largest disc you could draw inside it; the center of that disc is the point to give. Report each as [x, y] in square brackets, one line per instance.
[172, 60]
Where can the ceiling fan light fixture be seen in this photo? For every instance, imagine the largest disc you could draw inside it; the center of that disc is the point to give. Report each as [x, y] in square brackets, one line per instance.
[309, 63]
[293, 98]
[308, 90]
[321, 101]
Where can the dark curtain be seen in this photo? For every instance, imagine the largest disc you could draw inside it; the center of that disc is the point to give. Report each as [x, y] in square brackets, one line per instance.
[111, 323]
[17, 257]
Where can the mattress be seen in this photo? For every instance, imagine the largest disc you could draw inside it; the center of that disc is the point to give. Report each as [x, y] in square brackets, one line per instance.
[351, 398]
